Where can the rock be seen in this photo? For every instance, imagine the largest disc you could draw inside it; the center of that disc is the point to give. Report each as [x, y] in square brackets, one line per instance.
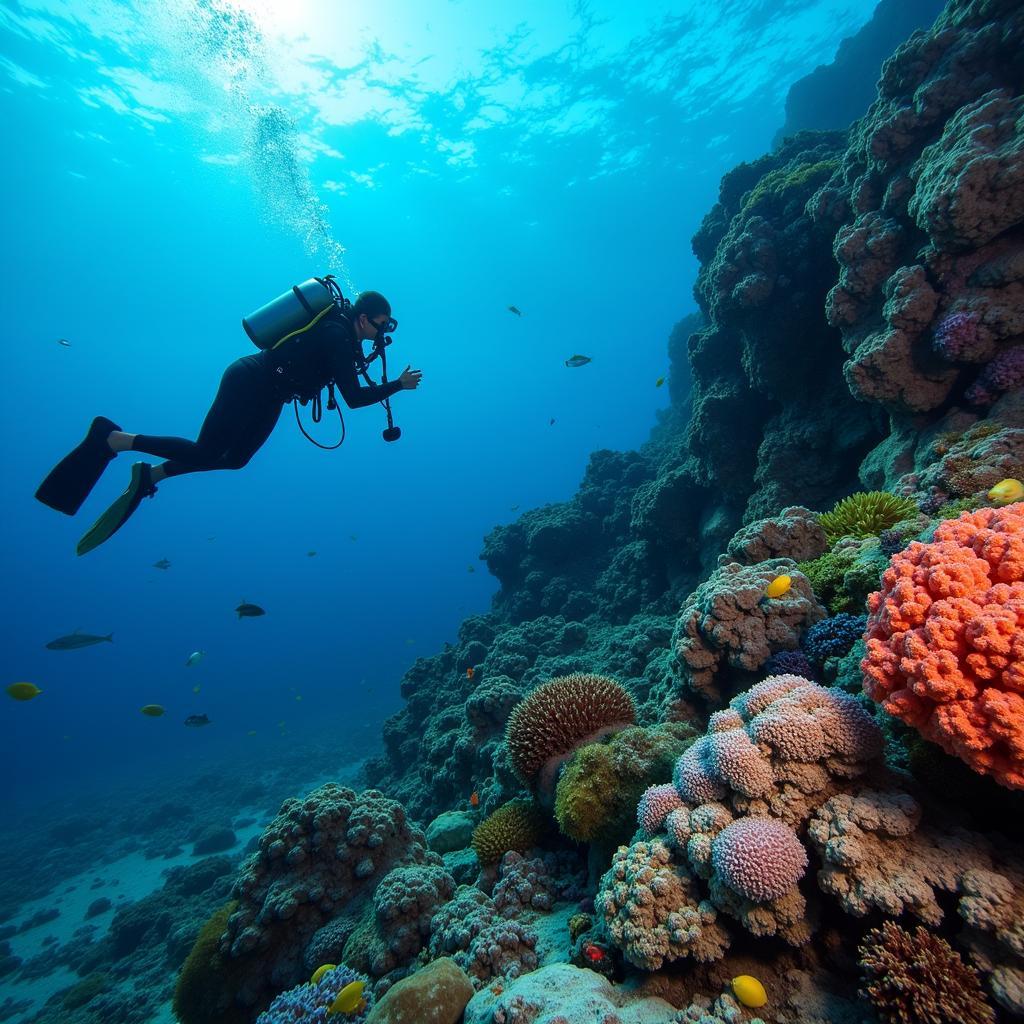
[97, 907]
[462, 865]
[435, 994]
[213, 840]
[451, 831]
[568, 995]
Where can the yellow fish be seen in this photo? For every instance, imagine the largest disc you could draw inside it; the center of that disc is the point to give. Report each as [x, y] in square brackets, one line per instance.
[23, 691]
[348, 999]
[749, 991]
[321, 971]
[778, 586]
[1006, 491]
[153, 710]
[659, 382]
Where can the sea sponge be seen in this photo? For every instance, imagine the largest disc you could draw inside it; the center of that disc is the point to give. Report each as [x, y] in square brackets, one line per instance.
[945, 640]
[560, 716]
[866, 514]
[516, 825]
[760, 858]
[599, 788]
[919, 979]
[203, 991]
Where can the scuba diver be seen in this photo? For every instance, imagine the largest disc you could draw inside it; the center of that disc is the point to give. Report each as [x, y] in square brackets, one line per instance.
[310, 337]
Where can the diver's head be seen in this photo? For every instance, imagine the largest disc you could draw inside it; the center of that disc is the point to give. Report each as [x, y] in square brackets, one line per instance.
[371, 317]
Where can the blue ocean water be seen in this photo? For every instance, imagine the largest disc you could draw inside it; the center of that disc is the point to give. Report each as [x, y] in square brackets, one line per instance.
[170, 167]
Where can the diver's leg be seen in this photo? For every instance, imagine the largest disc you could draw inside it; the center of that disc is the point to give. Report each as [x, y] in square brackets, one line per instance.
[243, 386]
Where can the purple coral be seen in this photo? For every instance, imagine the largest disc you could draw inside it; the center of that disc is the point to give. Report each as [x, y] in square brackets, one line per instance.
[760, 858]
[957, 336]
[793, 663]
[1004, 373]
[655, 805]
[309, 1003]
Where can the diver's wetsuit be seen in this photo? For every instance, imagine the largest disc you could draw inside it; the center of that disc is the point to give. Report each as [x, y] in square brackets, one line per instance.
[253, 391]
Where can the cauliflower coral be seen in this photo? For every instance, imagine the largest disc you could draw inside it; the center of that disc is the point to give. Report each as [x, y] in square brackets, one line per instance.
[945, 640]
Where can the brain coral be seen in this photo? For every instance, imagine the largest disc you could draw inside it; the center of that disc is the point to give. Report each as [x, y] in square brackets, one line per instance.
[759, 858]
[559, 716]
[945, 640]
[919, 979]
[517, 825]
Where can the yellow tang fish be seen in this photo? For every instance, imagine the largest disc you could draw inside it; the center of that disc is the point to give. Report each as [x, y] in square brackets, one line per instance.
[1006, 491]
[749, 991]
[349, 998]
[23, 691]
[321, 971]
[778, 586]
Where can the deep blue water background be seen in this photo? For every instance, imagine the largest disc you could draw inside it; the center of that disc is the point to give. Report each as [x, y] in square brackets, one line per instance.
[558, 159]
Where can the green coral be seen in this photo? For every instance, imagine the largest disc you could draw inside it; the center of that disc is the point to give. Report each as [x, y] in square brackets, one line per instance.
[777, 186]
[85, 991]
[866, 514]
[600, 787]
[516, 825]
[842, 579]
[204, 992]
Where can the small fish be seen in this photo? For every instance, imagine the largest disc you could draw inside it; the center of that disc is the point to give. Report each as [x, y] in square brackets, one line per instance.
[298, 696]
[73, 641]
[311, 554]
[353, 536]
[23, 691]
[595, 954]
[64, 342]
[194, 658]
[195, 689]
[470, 568]
[778, 586]
[512, 309]
[749, 991]
[470, 672]
[320, 972]
[197, 720]
[162, 564]
[152, 710]
[249, 611]
[348, 999]
[551, 422]
[409, 642]
[251, 732]
[577, 360]
[659, 382]
[474, 799]
[1006, 491]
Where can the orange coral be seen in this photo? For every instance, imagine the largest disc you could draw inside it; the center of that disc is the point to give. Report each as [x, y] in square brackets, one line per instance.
[945, 640]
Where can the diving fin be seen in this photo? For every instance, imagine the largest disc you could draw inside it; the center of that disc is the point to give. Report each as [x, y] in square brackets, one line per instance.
[69, 482]
[141, 486]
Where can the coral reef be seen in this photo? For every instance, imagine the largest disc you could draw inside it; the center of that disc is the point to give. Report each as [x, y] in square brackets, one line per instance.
[310, 1002]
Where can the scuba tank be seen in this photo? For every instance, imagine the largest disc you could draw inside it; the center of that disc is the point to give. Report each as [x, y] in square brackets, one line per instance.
[292, 313]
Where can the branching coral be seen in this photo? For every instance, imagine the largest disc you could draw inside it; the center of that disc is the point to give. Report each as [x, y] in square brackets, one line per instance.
[945, 640]
[560, 716]
[919, 979]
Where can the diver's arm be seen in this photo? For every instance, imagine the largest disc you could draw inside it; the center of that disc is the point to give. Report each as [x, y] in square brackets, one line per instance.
[356, 396]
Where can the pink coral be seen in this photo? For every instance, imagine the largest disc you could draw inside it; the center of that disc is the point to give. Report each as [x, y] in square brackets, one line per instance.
[655, 805]
[1004, 373]
[945, 640]
[956, 335]
[759, 858]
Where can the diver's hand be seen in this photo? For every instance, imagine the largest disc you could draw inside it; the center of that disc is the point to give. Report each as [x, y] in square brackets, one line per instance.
[410, 379]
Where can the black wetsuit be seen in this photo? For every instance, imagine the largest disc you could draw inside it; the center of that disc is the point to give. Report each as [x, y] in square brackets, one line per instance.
[253, 391]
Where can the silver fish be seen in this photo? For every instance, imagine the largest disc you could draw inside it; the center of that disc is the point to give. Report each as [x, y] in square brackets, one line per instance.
[73, 641]
[64, 342]
[577, 360]
[194, 658]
